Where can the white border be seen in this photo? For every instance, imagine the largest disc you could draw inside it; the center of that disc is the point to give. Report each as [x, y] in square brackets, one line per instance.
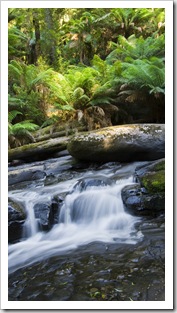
[168, 303]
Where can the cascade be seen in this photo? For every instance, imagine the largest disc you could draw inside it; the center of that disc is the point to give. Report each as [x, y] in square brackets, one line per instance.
[94, 213]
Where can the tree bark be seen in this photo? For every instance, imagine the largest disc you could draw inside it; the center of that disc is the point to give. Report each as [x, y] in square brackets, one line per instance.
[35, 45]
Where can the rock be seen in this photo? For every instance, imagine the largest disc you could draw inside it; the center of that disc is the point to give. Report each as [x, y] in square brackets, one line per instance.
[140, 203]
[48, 213]
[43, 171]
[16, 219]
[43, 212]
[127, 143]
[85, 183]
[23, 175]
[152, 176]
[148, 196]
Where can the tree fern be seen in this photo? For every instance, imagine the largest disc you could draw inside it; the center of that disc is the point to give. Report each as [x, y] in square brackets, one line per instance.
[136, 48]
[144, 74]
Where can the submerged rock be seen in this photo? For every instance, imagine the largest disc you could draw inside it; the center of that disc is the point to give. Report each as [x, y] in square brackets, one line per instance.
[125, 143]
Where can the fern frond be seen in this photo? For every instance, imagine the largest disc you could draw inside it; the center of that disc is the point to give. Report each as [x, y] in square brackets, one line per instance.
[78, 92]
[62, 107]
[13, 114]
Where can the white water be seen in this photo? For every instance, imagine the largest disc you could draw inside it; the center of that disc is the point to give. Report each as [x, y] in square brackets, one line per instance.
[95, 214]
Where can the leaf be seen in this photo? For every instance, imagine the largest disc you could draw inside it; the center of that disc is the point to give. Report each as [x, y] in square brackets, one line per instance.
[13, 114]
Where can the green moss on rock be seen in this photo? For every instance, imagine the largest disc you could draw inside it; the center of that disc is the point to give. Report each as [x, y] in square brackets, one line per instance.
[154, 182]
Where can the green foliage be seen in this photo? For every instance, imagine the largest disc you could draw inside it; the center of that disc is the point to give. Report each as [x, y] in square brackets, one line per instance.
[136, 48]
[18, 133]
[17, 42]
[12, 115]
[22, 128]
[81, 60]
[145, 73]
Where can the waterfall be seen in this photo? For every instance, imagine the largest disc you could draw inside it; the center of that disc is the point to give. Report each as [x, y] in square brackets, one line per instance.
[31, 223]
[94, 213]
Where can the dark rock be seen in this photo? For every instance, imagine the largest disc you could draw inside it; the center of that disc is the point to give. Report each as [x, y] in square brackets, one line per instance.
[16, 219]
[148, 196]
[55, 208]
[138, 202]
[85, 183]
[44, 213]
[48, 213]
[133, 142]
[15, 231]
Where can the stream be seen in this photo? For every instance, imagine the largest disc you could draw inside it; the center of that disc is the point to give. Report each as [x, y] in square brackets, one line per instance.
[95, 250]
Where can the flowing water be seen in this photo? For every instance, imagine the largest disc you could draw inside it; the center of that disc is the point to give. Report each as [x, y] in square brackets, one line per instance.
[94, 242]
[93, 214]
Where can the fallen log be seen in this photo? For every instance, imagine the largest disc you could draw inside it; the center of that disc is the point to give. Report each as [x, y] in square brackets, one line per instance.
[61, 133]
[38, 150]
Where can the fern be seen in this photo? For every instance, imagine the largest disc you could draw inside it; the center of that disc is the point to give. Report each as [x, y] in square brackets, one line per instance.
[20, 131]
[143, 73]
[136, 48]
[14, 101]
[24, 126]
[78, 92]
[12, 115]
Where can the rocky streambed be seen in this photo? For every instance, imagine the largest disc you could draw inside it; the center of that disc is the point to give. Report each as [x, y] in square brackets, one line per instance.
[115, 254]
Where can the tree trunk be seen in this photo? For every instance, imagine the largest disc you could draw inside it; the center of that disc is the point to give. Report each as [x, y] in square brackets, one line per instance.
[50, 38]
[35, 44]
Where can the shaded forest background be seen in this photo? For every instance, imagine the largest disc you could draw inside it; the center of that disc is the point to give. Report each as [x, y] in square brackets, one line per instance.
[96, 67]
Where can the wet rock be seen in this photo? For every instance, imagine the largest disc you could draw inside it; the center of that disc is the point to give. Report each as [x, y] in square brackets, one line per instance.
[48, 213]
[152, 177]
[86, 183]
[16, 219]
[44, 213]
[148, 196]
[133, 142]
[23, 175]
[56, 205]
[141, 203]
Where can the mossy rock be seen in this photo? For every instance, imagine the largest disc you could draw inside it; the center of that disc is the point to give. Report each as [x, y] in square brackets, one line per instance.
[154, 182]
[122, 143]
[147, 197]
[152, 177]
[16, 209]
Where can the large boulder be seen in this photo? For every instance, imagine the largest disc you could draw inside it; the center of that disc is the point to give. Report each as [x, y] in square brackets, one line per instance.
[125, 143]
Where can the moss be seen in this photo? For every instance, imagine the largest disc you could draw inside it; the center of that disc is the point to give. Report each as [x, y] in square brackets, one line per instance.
[154, 182]
[159, 166]
[18, 207]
